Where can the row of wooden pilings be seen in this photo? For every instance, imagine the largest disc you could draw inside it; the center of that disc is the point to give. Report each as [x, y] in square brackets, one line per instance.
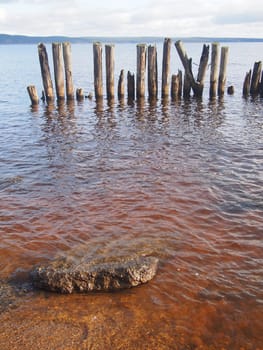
[173, 86]
[61, 52]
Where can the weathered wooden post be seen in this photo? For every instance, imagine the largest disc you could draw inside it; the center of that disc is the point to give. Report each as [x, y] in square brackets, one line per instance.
[43, 97]
[254, 87]
[189, 80]
[246, 84]
[98, 78]
[166, 67]
[180, 74]
[32, 92]
[131, 86]
[141, 66]
[45, 72]
[186, 86]
[214, 70]
[261, 85]
[202, 71]
[231, 90]
[109, 55]
[121, 88]
[152, 72]
[68, 70]
[79, 94]
[58, 70]
[176, 85]
[222, 71]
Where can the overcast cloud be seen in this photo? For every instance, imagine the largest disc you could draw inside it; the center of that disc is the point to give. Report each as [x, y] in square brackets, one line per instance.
[229, 18]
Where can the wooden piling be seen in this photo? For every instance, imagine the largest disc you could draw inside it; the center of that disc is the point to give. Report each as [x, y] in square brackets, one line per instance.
[98, 78]
[180, 75]
[222, 71]
[141, 66]
[32, 91]
[254, 87]
[175, 87]
[214, 70]
[246, 84]
[109, 55]
[261, 85]
[189, 79]
[202, 71]
[43, 98]
[121, 88]
[68, 70]
[152, 72]
[253, 83]
[166, 67]
[131, 86]
[58, 70]
[45, 72]
[79, 94]
[231, 90]
[186, 87]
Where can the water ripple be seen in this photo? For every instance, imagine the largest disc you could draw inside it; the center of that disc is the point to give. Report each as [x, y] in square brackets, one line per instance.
[183, 183]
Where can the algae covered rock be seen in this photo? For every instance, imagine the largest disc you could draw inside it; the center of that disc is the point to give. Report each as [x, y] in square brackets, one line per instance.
[68, 275]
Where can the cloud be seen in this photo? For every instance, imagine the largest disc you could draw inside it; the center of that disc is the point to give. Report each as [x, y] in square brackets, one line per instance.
[239, 18]
[239, 12]
[2, 15]
[131, 18]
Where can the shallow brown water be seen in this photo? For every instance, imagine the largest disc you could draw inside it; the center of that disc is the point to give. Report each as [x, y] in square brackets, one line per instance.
[181, 181]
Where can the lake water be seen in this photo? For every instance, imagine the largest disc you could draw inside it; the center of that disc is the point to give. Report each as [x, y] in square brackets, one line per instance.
[182, 181]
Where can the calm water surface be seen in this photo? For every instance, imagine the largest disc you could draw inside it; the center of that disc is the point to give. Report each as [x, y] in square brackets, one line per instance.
[182, 181]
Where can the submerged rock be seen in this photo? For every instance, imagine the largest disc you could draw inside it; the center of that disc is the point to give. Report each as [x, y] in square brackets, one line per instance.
[74, 275]
[12, 293]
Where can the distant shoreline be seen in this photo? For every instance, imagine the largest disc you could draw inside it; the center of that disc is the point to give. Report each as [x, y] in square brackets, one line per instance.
[6, 39]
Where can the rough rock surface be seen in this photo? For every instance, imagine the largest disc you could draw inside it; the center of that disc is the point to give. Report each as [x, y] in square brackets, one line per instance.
[73, 275]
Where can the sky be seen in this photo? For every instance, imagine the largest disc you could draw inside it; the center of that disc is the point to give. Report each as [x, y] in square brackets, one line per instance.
[164, 18]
